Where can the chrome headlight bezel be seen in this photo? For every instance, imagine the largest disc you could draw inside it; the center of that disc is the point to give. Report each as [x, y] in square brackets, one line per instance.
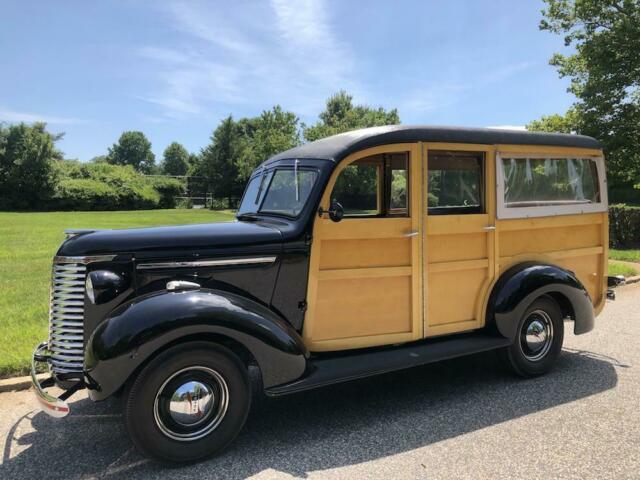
[88, 288]
[104, 285]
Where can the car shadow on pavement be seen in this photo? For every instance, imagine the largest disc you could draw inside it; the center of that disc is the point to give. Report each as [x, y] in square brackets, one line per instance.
[327, 428]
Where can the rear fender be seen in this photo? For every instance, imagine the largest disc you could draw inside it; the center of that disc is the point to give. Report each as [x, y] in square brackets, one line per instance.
[134, 332]
[521, 284]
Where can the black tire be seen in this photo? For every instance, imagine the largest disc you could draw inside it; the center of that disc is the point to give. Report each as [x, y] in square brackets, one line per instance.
[520, 357]
[149, 414]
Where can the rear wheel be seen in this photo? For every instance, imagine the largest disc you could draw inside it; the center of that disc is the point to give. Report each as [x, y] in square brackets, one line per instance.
[539, 339]
[188, 403]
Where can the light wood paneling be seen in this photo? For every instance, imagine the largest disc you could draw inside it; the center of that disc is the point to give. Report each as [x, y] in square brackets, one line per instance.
[365, 279]
[455, 247]
[370, 285]
[358, 314]
[358, 253]
[457, 293]
[576, 242]
[541, 240]
[459, 257]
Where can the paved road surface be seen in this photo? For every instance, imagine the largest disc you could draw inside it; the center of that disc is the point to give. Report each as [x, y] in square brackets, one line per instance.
[463, 418]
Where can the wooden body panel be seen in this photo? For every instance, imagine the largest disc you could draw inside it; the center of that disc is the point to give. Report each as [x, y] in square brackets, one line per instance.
[371, 285]
[459, 260]
[578, 243]
[365, 273]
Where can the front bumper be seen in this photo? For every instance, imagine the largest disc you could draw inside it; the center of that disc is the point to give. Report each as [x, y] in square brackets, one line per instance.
[53, 406]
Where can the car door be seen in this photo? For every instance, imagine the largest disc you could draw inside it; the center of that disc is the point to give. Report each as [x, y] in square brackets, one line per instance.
[459, 246]
[365, 270]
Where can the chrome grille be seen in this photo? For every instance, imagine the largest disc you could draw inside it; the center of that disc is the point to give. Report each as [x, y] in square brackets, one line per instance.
[66, 317]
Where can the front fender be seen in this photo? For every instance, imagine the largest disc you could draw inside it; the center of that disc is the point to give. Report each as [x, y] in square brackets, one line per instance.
[520, 285]
[132, 333]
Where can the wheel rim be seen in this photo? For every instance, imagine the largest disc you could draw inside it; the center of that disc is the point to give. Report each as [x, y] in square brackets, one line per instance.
[191, 403]
[536, 335]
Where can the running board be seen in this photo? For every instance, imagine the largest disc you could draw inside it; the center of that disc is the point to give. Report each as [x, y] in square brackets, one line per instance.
[353, 365]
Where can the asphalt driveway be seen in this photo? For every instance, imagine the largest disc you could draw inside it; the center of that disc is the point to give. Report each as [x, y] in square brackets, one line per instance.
[463, 418]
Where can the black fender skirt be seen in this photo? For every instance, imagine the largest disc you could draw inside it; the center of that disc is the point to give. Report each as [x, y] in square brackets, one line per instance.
[520, 285]
[134, 332]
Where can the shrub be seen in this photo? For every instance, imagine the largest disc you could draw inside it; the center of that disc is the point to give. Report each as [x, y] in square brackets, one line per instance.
[224, 203]
[101, 186]
[85, 194]
[169, 189]
[624, 225]
[184, 203]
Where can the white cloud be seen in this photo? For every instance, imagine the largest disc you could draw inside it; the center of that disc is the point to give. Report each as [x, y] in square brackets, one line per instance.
[503, 72]
[437, 96]
[252, 54]
[7, 115]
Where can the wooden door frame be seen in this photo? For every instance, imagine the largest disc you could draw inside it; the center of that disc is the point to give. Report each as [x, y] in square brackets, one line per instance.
[492, 237]
[416, 221]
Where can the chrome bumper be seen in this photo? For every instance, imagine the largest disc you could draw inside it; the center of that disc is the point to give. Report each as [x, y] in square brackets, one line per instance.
[53, 406]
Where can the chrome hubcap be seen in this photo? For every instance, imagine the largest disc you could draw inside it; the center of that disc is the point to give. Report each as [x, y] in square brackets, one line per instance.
[536, 335]
[191, 403]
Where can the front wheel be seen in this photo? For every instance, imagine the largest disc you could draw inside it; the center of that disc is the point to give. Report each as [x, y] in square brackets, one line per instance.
[539, 340]
[188, 403]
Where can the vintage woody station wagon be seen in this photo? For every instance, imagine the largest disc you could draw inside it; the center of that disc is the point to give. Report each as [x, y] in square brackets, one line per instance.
[358, 254]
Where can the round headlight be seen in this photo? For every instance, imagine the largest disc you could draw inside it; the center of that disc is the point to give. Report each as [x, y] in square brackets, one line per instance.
[104, 285]
[88, 286]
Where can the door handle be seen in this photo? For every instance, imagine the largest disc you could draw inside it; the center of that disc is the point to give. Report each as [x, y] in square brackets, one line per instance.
[413, 233]
[489, 228]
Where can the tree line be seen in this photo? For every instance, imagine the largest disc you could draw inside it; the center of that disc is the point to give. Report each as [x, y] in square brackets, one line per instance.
[34, 174]
[604, 70]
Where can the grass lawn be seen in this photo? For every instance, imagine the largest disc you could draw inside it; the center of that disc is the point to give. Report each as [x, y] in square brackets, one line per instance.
[28, 242]
[623, 269]
[625, 255]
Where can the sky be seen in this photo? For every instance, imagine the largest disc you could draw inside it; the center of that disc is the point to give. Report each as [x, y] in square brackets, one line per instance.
[173, 69]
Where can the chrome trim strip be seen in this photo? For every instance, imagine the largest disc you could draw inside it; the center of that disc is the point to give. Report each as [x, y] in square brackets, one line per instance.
[206, 263]
[84, 260]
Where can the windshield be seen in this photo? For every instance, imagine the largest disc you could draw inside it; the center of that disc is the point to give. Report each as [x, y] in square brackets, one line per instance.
[283, 192]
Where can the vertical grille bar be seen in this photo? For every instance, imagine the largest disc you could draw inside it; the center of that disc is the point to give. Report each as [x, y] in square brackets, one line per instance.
[66, 317]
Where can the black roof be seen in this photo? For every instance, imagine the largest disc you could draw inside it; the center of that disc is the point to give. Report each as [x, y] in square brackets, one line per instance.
[339, 146]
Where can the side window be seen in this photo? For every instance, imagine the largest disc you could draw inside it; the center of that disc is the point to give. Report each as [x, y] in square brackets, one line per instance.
[540, 182]
[397, 174]
[374, 186]
[455, 183]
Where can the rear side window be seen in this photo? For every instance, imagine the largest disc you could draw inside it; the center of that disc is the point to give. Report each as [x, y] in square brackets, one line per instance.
[539, 182]
[546, 185]
[455, 183]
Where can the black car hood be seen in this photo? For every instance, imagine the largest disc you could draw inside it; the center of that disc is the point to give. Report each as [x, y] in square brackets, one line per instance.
[226, 236]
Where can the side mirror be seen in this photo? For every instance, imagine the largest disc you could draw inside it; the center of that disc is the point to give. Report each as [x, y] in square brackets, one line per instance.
[336, 212]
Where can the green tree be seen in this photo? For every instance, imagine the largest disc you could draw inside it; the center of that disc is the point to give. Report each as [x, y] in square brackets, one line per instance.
[604, 69]
[134, 149]
[220, 159]
[238, 147]
[176, 160]
[272, 132]
[556, 123]
[27, 156]
[192, 162]
[340, 115]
